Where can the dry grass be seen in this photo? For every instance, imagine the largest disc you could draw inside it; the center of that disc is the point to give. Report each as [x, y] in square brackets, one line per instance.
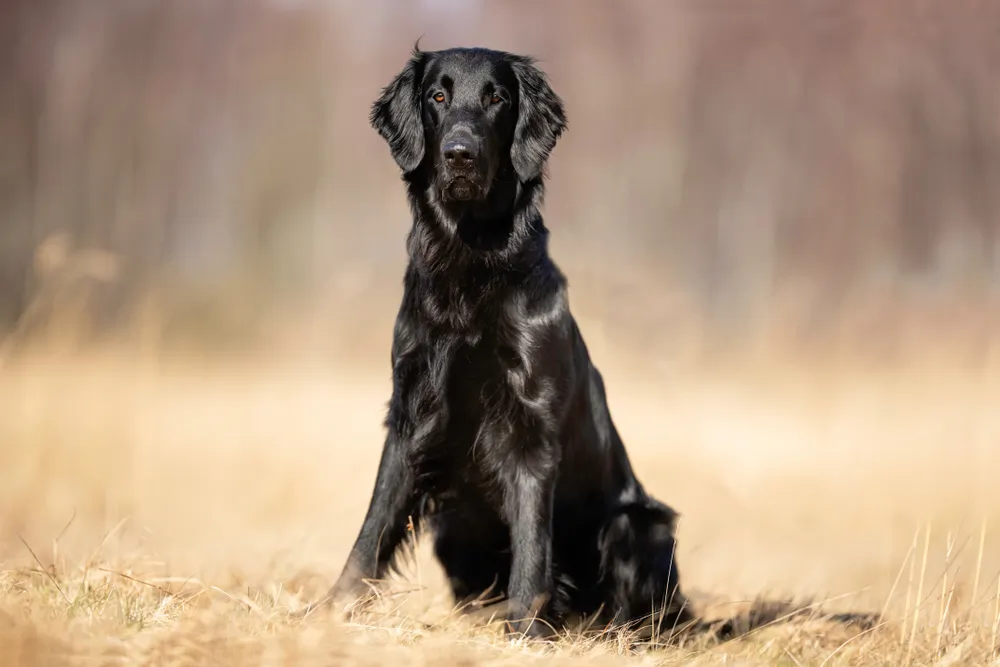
[177, 513]
[174, 512]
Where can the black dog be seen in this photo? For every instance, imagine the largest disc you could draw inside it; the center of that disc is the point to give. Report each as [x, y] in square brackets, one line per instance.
[499, 436]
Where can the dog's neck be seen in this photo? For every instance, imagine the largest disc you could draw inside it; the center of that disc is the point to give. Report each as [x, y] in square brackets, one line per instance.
[503, 234]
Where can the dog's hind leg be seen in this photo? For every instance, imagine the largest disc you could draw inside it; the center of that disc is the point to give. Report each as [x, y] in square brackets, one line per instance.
[639, 572]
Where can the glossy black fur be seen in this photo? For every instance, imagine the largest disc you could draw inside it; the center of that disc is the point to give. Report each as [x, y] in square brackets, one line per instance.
[499, 436]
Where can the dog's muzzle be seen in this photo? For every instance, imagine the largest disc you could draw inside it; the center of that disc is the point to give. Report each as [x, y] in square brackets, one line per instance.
[462, 188]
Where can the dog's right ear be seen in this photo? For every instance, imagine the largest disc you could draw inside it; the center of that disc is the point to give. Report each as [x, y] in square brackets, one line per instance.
[397, 116]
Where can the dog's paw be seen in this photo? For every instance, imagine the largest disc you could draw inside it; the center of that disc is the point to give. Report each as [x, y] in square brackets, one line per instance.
[528, 628]
[309, 610]
[524, 622]
[335, 602]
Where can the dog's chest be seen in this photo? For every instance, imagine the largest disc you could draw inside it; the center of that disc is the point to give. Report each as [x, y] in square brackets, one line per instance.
[479, 379]
[463, 412]
[478, 391]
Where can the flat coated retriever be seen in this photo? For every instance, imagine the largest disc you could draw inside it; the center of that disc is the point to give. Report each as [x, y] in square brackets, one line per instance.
[499, 436]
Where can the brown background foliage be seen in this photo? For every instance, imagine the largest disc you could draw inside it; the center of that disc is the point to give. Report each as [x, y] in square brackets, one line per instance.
[811, 176]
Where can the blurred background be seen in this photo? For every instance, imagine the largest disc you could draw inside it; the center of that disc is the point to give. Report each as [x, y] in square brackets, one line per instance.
[779, 220]
[736, 177]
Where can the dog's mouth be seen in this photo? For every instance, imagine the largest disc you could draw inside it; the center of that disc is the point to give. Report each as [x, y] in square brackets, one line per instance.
[463, 188]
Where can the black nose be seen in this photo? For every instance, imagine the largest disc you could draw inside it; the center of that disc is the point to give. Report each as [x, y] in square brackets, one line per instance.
[459, 152]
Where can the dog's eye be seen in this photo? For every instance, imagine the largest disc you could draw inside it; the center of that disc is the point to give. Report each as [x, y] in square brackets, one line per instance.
[438, 97]
[496, 99]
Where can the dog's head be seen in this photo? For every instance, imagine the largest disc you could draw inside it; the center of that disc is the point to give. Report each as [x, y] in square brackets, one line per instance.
[467, 116]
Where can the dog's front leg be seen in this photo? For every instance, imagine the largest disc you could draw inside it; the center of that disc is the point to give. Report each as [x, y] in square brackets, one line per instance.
[529, 508]
[385, 523]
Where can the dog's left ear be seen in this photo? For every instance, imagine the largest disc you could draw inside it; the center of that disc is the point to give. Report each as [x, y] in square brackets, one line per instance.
[540, 119]
[396, 114]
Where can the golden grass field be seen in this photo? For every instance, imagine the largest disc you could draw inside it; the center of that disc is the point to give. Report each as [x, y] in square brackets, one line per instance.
[175, 513]
[743, 183]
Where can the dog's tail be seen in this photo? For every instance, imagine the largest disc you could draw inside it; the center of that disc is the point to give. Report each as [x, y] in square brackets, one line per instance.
[642, 584]
[764, 612]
